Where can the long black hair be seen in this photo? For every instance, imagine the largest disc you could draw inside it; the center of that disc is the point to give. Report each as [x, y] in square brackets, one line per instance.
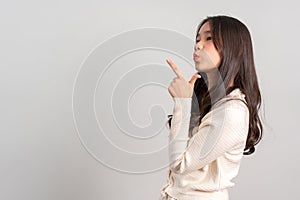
[233, 42]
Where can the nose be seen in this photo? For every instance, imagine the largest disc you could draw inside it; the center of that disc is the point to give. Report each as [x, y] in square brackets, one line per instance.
[198, 46]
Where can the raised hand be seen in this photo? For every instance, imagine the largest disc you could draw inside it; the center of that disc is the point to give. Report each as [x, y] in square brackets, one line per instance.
[179, 87]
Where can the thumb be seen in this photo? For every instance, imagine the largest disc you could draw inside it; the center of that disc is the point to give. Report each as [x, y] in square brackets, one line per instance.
[193, 79]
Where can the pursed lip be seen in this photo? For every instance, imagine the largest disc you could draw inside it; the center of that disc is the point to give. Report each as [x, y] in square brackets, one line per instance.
[196, 57]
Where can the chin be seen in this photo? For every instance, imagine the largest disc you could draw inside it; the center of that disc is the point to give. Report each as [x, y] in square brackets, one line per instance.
[204, 68]
[200, 68]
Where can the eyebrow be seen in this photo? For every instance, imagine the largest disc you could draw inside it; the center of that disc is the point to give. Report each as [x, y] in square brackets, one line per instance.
[205, 32]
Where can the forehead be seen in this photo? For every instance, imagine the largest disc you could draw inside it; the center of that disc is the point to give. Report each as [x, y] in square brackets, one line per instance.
[205, 28]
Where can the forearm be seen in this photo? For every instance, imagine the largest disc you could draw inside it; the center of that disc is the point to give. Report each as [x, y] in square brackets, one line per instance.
[179, 130]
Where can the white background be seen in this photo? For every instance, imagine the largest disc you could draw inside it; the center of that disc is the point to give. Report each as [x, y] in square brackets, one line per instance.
[43, 44]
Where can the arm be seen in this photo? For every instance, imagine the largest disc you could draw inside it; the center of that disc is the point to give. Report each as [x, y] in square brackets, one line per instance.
[223, 128]
[178, 137]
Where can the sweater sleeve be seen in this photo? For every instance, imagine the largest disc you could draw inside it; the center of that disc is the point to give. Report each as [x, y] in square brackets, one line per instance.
[178, 137]
[221, 129]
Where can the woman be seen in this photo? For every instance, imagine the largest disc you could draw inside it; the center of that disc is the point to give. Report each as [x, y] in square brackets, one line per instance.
[215, 117]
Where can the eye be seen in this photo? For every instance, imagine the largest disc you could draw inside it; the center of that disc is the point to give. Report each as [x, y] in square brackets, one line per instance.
[209, 38]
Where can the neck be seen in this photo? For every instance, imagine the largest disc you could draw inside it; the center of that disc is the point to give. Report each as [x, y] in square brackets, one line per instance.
[212, 77]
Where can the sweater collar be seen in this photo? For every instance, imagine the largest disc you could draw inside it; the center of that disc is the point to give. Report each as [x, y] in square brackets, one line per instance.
[237, 93]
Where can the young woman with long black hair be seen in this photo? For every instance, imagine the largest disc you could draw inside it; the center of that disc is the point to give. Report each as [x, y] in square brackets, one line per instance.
[215, 117]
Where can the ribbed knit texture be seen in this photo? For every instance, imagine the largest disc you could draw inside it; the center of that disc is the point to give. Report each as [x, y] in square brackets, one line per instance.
[203, 166]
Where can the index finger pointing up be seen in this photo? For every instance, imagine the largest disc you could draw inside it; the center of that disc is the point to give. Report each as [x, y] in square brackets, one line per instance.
[174, 68]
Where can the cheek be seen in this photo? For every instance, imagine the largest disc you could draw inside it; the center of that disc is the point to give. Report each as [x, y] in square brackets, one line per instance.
[209, 59]
[214, 55]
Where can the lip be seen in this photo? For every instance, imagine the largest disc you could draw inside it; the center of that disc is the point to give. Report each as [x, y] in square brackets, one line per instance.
[196, 57]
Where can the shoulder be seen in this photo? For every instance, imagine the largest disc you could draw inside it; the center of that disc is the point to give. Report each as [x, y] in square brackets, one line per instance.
[233, 107]
[234, 100]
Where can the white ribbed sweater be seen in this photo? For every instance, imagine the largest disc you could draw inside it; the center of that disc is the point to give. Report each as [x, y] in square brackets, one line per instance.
[202, 167]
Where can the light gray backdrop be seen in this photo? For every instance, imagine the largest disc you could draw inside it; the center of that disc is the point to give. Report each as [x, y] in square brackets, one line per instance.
[74, 126]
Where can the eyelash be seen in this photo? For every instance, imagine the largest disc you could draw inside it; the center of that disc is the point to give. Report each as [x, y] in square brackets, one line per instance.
[208, 38]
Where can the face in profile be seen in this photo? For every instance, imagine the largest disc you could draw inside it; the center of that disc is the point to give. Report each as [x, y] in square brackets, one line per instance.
[206, 56]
